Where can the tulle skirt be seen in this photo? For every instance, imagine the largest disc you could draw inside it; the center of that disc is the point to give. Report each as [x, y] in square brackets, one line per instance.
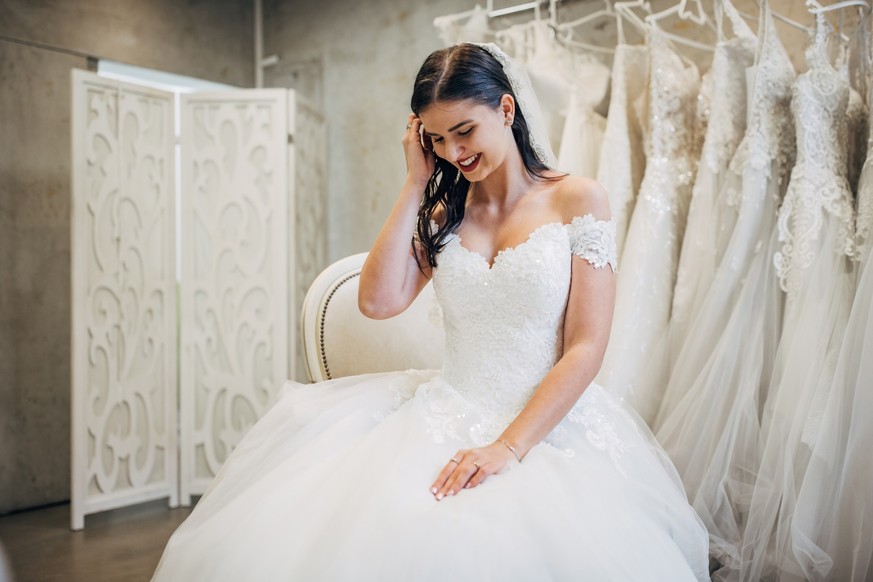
[712, 432]
[832, 532]
[813, 333]
[333, 484]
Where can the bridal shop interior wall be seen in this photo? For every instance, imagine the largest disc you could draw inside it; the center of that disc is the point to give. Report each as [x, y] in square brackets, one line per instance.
[40, 42]
[354, 60]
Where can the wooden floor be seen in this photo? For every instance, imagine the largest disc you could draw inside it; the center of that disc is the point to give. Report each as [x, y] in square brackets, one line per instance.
[121, 545]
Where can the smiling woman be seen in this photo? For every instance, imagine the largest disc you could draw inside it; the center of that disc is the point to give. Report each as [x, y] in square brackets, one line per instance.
[506, 464]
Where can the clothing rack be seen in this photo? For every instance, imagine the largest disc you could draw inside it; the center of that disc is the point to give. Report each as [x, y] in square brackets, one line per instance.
[535, 6]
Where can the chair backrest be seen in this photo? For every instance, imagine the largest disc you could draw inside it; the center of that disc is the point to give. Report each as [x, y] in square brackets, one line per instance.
[338, 340]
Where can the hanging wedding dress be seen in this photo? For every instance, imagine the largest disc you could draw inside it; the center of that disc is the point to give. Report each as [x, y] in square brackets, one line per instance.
[473, 28]
[815, 228]
[582, 136]
[645, 286]
[832, 530]
[332, 483]
[752, 187]
[547, 65]
[622, 157]
[710, 219]
[708, 422]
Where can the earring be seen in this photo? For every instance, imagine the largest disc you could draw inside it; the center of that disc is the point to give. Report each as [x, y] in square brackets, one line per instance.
[508, 121]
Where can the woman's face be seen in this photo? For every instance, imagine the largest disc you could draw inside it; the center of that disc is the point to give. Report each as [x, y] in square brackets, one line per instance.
[473, 137]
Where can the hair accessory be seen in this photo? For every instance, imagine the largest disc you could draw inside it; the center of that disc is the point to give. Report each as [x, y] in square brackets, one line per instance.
[527, 102]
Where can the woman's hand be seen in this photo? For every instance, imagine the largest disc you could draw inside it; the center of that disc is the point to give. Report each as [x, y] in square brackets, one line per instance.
[420, 162]
[469, 467]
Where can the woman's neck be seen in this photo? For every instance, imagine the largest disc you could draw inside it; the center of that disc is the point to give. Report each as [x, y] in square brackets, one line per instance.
[504, 187]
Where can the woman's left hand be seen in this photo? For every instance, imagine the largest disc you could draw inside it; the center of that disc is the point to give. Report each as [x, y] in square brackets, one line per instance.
[470, 467]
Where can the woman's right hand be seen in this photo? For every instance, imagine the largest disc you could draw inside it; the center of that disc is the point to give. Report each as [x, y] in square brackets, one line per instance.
[420, 162]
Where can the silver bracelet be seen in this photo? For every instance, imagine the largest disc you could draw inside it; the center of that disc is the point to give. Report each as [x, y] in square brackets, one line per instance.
[511, 448]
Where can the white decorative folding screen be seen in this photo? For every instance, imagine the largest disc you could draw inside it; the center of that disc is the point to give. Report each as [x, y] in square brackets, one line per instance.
[236, 262]
[244, 264]
[123, 288]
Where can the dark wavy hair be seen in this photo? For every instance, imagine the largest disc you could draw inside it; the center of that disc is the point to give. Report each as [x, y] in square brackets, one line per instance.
[464, 72]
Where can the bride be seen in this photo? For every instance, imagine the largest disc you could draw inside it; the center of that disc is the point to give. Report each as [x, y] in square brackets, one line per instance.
[506, 464]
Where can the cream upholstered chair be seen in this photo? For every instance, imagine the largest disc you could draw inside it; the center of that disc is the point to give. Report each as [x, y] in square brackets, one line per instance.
[338, 340]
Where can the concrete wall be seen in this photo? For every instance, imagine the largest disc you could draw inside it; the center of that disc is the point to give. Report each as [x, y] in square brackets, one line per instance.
[40, 42]
[367, 54]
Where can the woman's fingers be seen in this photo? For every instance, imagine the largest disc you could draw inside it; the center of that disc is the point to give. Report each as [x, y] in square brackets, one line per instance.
[463, 471]
[461, 477]
[469, 468]
[445, 474]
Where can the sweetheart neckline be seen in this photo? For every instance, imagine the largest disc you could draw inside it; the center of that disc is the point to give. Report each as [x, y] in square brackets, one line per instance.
[508, 250]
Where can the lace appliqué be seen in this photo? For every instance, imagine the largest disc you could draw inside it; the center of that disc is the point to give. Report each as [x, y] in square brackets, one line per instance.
[600, 430]
[403, 389]
[594, 241]
[819, 185]
[769, 137]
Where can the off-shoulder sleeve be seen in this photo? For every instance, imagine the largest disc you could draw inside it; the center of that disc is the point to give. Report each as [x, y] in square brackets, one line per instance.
[593, 240]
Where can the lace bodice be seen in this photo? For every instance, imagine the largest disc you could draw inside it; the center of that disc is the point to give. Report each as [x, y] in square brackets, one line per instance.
[768, 143]
[503, 323]
[727, 121]
[819, 185]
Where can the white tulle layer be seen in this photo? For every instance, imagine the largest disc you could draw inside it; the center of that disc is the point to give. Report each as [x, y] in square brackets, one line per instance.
[328, 487]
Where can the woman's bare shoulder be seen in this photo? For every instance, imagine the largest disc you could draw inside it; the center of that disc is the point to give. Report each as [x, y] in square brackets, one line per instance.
[577, 196]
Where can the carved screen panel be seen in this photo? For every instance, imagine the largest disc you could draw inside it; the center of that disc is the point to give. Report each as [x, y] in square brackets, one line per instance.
[236, 255]
[310, 202]
[123, 290]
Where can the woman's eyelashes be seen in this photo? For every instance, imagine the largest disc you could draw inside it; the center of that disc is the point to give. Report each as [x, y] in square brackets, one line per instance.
[464, 133]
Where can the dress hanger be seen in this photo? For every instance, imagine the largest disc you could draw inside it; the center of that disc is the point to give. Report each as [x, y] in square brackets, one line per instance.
[819, 11]
[564, 30]
[624, 12]
[816, 7]
[653, 19]
[685, 14]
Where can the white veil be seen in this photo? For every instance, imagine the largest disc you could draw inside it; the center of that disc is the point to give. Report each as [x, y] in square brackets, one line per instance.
[527, 101]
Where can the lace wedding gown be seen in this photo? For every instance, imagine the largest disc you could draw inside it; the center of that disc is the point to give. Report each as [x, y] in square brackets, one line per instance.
[831, 534]
[644, 289]
[332, 483]
[708, 421]
[710, 218]
[815, 227]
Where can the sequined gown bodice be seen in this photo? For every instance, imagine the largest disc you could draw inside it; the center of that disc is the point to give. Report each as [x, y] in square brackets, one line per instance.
[503, 322]
[650, 257]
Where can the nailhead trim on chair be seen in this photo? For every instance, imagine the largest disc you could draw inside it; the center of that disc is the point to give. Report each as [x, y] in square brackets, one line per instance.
[321, 323]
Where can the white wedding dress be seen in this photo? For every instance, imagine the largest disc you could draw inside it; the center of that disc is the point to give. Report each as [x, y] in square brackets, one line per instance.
[622, 159]
[644, 290]
[831, 534]
[708, 421]
[332, 483]
[710, 218]
[815, 225]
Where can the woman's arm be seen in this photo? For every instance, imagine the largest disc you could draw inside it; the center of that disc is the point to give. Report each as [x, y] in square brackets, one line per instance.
[587, 324]
[391, 278]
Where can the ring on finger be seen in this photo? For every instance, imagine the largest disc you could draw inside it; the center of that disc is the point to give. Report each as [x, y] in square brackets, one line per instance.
[408, 125]
[453, 460]
[476, 465]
